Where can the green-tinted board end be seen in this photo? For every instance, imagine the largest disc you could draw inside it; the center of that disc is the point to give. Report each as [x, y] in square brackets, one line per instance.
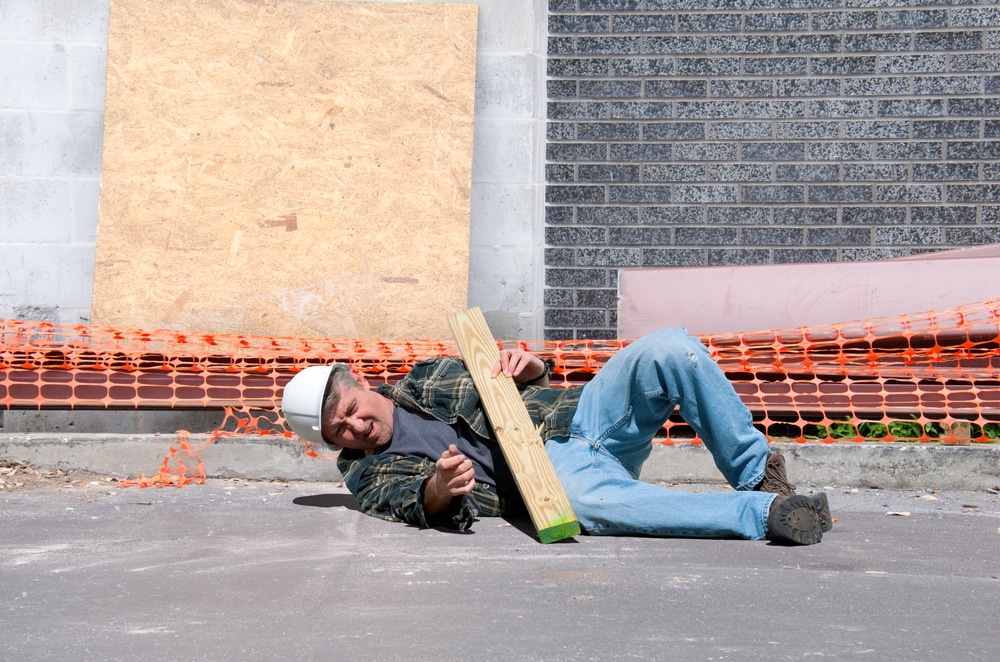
[560, 531]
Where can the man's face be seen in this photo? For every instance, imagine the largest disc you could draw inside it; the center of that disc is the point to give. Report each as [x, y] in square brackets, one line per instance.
[362, 419]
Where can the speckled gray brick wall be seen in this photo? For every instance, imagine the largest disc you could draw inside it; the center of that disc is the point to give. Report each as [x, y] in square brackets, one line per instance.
[723, 132]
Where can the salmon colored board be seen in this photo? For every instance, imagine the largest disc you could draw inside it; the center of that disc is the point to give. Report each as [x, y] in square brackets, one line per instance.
[984, 250]
[286, 168]
[713, 300]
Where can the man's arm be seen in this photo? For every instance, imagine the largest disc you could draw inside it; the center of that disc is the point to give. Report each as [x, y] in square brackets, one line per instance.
[523, 367]
[453, 477]
[392, 487]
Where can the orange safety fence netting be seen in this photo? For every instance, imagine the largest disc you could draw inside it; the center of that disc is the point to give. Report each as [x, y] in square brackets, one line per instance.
[932, 376]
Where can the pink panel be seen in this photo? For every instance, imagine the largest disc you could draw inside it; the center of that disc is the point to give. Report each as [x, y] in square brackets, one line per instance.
[755, 298]
[987, 250]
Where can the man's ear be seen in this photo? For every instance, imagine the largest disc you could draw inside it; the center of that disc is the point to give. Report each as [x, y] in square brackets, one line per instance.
[360, 379]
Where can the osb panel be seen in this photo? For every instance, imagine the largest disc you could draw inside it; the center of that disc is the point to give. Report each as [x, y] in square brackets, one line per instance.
[286, 168]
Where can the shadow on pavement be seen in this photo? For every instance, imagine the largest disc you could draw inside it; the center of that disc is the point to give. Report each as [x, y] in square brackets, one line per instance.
[328, 501]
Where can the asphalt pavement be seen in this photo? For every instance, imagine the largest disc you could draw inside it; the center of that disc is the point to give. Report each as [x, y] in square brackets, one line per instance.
[263, 570]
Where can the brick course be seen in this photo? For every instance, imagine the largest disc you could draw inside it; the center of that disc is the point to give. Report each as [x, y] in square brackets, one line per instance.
[723, 132]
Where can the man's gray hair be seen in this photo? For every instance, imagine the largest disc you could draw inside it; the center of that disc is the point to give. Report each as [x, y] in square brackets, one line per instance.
[340, 378]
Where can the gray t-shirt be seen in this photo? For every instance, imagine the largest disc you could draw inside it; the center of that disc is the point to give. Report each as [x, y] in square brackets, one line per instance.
[421, 435]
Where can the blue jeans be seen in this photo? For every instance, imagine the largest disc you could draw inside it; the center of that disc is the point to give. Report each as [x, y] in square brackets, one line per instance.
[620, 411]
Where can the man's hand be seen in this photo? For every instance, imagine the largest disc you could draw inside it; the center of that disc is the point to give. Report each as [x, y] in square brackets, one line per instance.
[521, 366]
[453, 476]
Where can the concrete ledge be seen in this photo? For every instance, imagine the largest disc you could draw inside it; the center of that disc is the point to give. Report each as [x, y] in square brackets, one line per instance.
[889, 465]
[130, 455]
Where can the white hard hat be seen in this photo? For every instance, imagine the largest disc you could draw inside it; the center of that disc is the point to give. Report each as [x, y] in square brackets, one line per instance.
[302, 403]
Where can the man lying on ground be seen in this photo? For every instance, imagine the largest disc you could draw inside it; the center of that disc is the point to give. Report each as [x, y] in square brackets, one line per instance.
[421, 450]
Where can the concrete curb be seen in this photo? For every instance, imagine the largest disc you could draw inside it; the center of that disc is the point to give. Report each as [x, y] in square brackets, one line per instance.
[130, 455]
[889, 465]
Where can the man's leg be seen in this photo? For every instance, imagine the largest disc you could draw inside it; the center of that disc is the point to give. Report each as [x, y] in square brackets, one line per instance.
[631, 397]
[619, 413]
[608, 500]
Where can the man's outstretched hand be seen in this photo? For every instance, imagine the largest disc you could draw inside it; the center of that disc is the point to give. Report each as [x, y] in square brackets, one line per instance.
[453, 476]
[520, 365]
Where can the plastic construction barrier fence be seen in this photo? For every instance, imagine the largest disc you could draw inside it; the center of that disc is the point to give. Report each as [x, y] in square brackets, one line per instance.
[932, 376]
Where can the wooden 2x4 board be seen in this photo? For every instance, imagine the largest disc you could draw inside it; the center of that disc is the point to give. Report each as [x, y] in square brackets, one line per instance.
[286, 168]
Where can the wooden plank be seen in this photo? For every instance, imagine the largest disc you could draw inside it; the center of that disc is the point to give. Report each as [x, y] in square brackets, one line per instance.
[961, 432]
[520, 442]
[286, 168]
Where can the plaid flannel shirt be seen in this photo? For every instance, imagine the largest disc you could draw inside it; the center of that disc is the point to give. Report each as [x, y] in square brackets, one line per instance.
[391, 486]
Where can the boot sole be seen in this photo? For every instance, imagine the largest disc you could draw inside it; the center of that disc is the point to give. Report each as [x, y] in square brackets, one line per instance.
[796, 520]
[822, 507]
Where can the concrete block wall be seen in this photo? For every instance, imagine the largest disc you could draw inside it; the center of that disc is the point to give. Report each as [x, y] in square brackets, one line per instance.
[726, 132]
[53, 57]
[52, 72]
[506, 251]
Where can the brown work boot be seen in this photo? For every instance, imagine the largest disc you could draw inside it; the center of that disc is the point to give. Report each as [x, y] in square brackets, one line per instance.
[775, 479]
[795, 519]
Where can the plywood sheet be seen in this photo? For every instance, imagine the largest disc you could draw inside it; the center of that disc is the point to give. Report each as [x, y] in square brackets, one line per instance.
[709, 300]
[286, 168]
